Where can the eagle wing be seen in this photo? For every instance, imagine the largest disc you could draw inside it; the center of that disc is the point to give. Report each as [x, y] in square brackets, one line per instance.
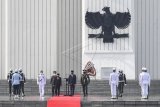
[122, 20]
[93, 19]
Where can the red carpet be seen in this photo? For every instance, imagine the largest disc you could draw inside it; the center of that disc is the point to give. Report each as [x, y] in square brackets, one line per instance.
[64, 101]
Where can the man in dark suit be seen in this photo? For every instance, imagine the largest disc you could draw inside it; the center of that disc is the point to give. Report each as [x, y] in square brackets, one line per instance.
[72, 82]
[53, 82]
[58, 83]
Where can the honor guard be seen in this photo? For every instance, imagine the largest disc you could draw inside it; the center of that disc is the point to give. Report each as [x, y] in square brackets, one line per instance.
[52, 82]
[22, 82]
[9, 79]
[72, 82]
[144, 82]
[41, 81]
[85, 80]
[113, 82]
[16, 83]
[122, 82]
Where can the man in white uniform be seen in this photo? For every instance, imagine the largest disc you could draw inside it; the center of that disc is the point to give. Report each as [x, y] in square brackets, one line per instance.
[113, 82]
[144, 82]
[41, 81]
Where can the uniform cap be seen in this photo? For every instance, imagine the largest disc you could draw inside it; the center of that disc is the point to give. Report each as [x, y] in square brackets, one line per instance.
[114, 68]
[11, 70]
[16, 70]
[20, 69]
[144, 69]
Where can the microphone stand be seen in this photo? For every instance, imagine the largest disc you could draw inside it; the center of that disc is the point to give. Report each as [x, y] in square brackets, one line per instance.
[67, 87]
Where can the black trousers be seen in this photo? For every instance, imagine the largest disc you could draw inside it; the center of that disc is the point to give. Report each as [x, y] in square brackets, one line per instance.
[16, 89]
[120, 87]
[53, 90]
[57, 90]
[85, 89]
[21, 88]
[10, 87]
[72, 88]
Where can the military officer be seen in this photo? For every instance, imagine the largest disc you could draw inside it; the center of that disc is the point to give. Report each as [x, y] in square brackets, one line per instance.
[144, 82]
[122, 82]
[85, 80]
[41, 81]
[22, 82]
[113, 82]
[9, 79]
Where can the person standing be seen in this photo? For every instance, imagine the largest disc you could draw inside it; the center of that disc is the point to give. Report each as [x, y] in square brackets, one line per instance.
[9, 79]
[72, 82]
[144, 82]
[22, 82]
[16, 83]
[41, 81]
[85, 80]
[52, 82]
[122, 82]
[113, 82]
[58, 83]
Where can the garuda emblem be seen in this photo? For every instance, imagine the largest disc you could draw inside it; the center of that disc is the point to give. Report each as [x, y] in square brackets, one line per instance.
[108, 21]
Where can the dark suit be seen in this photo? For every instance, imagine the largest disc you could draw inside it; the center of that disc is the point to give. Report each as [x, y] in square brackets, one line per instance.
[72, 82]
[53, 83]
[58, 83]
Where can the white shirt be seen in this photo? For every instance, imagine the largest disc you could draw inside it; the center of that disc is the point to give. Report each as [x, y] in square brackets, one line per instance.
[41, 80]
[113, 79]
[144, 78]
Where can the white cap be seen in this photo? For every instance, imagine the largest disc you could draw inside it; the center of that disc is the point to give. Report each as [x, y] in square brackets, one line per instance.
[16, 70]
[144, 68]
[114, 68]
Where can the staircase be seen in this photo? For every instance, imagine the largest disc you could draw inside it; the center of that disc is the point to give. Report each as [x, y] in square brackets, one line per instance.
[96, 87]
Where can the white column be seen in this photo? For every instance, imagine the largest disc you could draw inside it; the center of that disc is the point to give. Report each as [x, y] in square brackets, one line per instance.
[6, 38]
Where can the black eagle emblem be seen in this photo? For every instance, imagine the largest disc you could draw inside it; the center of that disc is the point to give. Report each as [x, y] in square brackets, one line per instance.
[108, 21]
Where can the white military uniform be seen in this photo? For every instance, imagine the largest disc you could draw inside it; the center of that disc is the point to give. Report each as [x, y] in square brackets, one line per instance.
[41, 81]
[144, 82]
[113, 82]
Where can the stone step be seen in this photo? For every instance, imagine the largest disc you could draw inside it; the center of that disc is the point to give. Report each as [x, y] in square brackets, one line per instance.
[96, 87]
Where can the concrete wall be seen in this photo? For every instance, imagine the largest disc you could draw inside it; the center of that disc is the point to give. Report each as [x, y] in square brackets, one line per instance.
[147, 36]
[69, 34]
[32, 32]
[119, 54]
[33, 43]
[2, 38]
